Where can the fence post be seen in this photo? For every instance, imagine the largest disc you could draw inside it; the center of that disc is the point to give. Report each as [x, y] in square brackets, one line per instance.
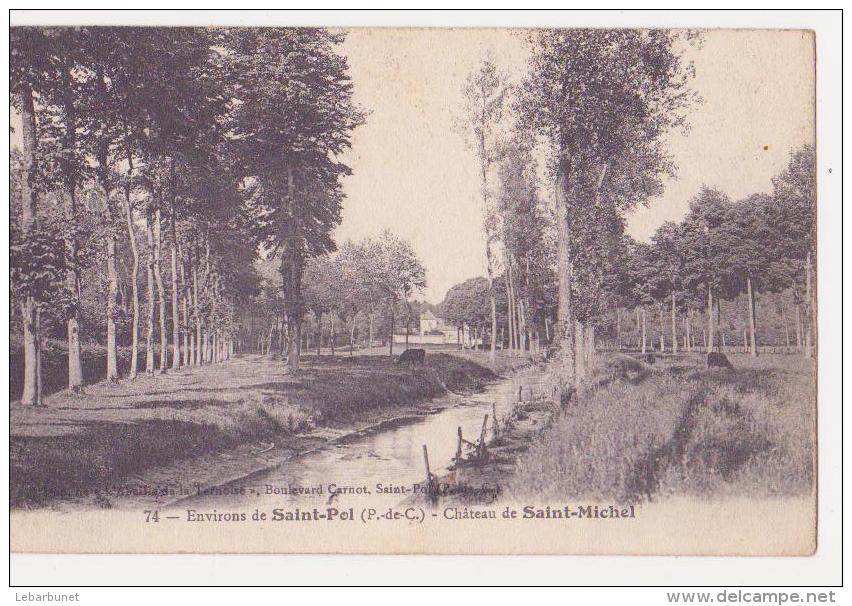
[426, 462]
[481, 449]
[430, 480]
[494, 425]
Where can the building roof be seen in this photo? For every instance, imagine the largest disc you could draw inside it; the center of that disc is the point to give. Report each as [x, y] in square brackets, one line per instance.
[428, 315]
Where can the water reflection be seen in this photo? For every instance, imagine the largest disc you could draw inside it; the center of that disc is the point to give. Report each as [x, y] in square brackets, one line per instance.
[383, 468]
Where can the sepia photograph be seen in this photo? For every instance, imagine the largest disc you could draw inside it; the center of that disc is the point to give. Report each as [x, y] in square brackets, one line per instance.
[407, 290]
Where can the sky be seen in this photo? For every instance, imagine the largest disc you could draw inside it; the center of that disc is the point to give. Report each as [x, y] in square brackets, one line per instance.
[414, 174]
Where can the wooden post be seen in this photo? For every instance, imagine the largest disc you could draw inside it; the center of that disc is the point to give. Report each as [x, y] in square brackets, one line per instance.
[459, 450]
[481, 449]
[494, 425]
[520, 393]
[426, 462]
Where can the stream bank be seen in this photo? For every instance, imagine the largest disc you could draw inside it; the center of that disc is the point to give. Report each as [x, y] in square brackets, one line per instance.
[163, 436]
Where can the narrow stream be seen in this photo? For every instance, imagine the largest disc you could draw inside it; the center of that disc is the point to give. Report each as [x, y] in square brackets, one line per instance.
[392, 458]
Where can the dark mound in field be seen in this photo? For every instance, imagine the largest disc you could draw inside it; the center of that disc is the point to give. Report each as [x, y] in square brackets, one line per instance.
[619, 367]
[716, 359]
[412, 356]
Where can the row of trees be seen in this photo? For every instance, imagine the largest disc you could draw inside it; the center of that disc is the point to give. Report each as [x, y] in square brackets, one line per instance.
[204, 146]
[367, 284]
[727, 250]
[517, 225]
[596, 106]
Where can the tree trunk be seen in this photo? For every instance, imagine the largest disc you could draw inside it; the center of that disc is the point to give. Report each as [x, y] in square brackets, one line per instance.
[72, 284]
[331, 336]
[662, 330]
[72, 281]
[565, 273]
[292, 266]
[687, 322]
[134, 276]
[269, 336]
[112, 279]
[197, 314]
[185, 352]
[492, 354]
[786, 331]
[489, 262]
[513, 305]
[799, 342]
[187, 326]
[710, 332]
[810, 302]
[751, 318]
[721, 341]
[102, 172]
[176, 349]
[390, 343]
[193, 345]
[674, 323]
[638, 328]
[205, 345]
[579, 351]
[319, 334]
[591, 345]
[158, 275]
[149, 318]
[30, 312]
[510, 313]
[370, 344]
[618, 327]
[407, 329]
[294, 331]
[644, 330]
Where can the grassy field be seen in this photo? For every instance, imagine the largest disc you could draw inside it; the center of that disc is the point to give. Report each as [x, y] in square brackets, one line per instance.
[81, 443]
[505, 363]
[642, 432]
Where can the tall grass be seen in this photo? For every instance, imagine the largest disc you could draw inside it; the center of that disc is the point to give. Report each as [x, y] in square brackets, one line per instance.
[640, 432]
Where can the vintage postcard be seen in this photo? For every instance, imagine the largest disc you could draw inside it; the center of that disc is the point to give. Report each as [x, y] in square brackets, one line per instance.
[402, 290]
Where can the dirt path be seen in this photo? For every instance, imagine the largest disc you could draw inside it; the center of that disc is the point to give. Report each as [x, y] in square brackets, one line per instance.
[151, 397]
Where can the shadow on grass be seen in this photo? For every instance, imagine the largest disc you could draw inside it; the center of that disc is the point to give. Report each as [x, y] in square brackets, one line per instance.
[46, 468]
[713, 438]
[151, 404]
[95, 459]
[280, 386]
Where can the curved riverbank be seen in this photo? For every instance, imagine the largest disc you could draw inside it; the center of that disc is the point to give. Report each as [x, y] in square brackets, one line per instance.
[114, 438]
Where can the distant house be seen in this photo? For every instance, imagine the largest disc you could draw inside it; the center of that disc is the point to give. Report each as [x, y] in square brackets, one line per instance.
[430, 322]
[435, 331]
